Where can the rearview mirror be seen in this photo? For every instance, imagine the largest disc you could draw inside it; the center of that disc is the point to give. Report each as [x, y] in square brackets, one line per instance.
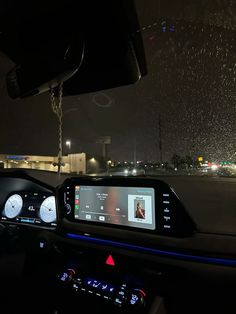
[35, 77]
[102, 40]
[46, 57]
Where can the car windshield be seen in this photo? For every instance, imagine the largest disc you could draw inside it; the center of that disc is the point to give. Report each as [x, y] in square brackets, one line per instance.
[179, 119]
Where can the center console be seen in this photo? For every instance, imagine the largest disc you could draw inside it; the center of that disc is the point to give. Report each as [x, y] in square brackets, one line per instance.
[105, 282]
[99, 219]
[120, 294]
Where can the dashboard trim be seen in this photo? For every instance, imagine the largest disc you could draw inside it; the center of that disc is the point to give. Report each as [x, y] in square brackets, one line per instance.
[176, 255]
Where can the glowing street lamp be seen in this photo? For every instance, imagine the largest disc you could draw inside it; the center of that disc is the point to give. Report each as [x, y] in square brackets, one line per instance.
[68, 144]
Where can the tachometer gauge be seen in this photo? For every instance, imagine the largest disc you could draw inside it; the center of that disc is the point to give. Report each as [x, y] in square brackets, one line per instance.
[13, 206]
[47, 210]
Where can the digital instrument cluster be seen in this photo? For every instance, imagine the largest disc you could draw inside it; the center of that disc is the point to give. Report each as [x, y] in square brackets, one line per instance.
[30, 207]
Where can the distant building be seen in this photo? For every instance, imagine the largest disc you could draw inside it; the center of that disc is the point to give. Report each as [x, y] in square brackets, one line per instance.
[79, 163]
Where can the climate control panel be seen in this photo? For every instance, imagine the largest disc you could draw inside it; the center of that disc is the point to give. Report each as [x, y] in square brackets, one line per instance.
[122, 295]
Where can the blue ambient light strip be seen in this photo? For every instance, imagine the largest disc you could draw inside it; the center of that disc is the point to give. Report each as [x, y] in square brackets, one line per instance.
[177, 255]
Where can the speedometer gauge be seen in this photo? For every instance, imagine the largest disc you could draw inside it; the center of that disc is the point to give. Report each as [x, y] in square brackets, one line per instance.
[47, 210]
[13, 206]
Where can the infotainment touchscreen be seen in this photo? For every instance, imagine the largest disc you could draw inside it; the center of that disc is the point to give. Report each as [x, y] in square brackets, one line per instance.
[125, 206]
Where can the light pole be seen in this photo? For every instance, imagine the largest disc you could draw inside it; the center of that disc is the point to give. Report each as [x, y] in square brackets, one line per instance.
[160, 139]
[135, 152]
[68, 144]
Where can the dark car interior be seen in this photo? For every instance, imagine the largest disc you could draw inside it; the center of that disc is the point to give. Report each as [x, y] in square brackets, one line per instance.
[79, 246]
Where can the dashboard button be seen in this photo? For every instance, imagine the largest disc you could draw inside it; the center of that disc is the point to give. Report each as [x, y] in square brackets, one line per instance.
[64, 277]
[42, 244]
[167, 227]
[68, 209]
[67, 275]
[166, 218]
[78, 279]
[75, 287]
[136, 298]
[119, 301]
[121, 293]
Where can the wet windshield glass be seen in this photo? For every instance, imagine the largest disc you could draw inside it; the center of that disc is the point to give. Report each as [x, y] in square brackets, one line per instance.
[179, 119]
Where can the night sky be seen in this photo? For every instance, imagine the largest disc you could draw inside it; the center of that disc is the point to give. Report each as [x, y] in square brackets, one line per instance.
[191, 85]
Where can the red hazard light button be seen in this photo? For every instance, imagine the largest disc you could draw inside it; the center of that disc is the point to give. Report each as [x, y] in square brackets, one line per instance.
[110, 261]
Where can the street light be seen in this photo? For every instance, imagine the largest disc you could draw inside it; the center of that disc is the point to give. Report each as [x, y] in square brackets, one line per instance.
[68, 144]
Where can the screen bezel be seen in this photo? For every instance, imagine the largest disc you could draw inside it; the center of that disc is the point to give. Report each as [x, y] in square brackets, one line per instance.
[69, 186]
[182, 224]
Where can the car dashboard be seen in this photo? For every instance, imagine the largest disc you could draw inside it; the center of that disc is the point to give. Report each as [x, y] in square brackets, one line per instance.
[122, 245]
